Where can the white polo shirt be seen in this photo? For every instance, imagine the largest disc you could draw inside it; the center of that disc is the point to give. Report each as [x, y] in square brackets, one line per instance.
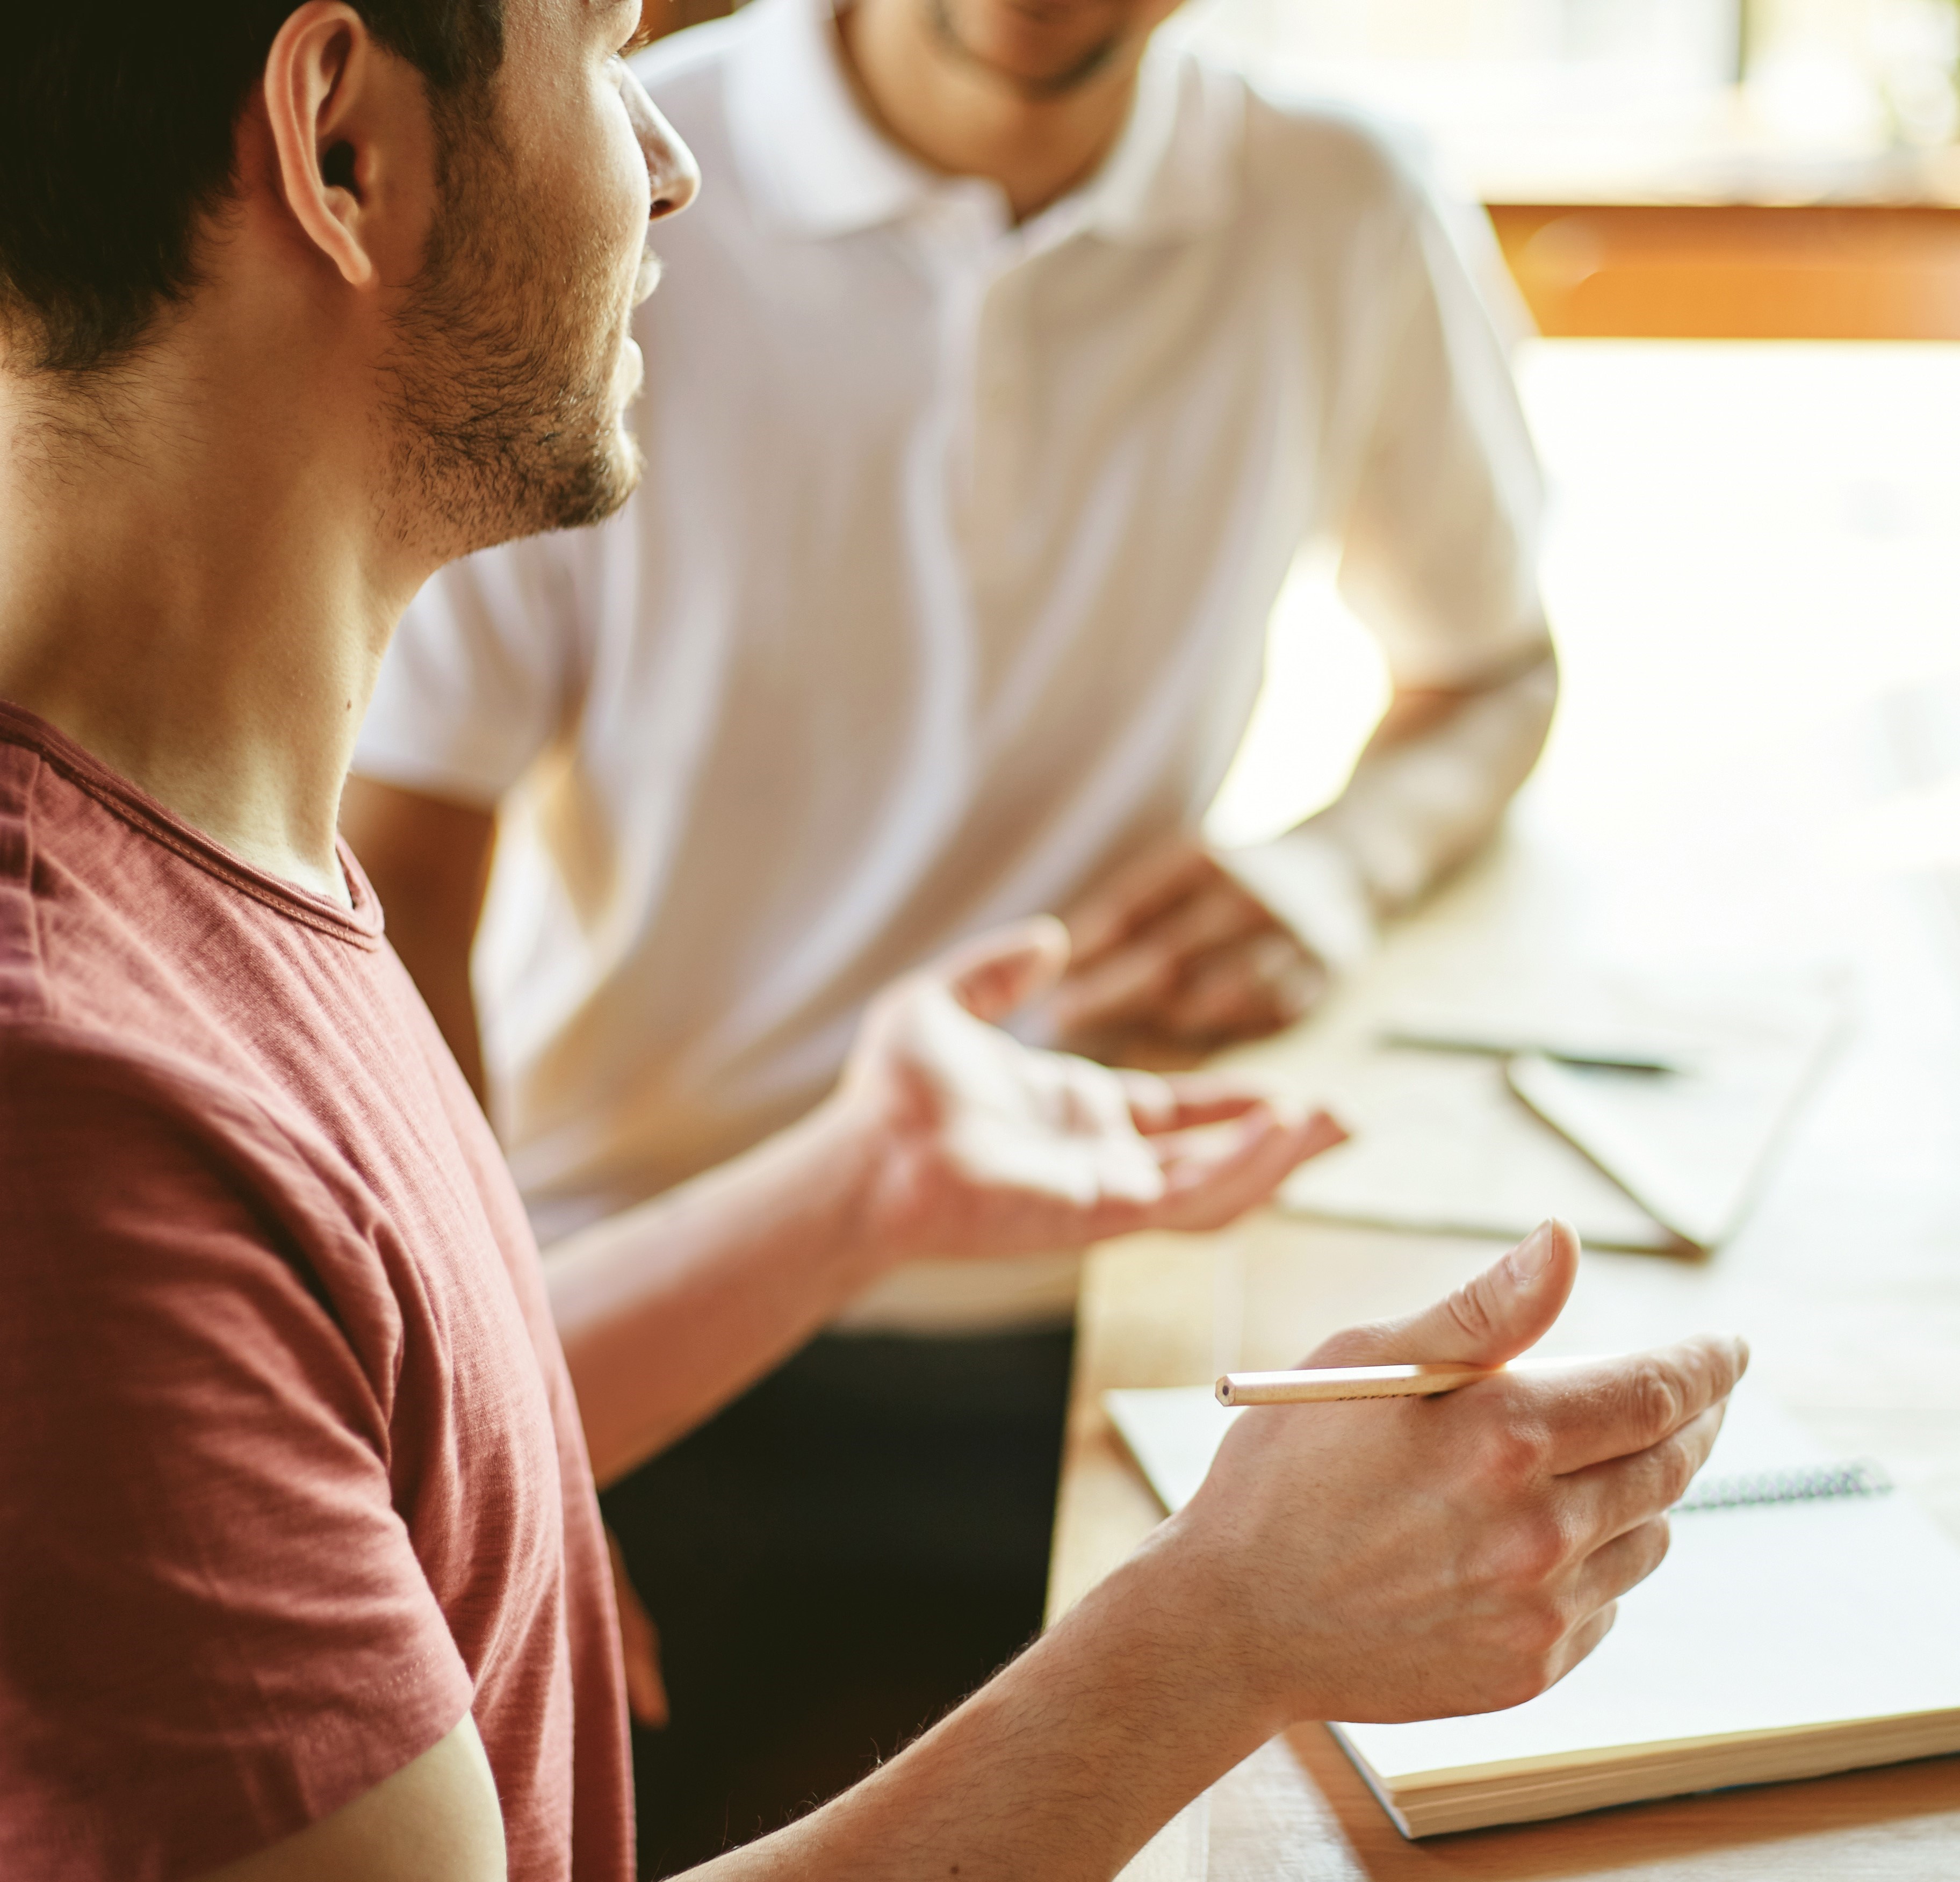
[945, 591]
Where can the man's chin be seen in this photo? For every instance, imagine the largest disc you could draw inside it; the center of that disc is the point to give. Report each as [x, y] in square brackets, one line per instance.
[601, 491]
[629, 466]
[1039, 61]
[574, 496]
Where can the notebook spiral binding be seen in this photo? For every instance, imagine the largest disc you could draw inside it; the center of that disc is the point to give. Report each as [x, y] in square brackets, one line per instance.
[1862, 1477]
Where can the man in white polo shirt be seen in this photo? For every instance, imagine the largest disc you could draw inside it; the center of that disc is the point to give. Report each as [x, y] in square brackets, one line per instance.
[998, 375]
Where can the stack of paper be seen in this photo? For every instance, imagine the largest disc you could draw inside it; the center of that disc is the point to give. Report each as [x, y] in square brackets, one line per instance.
[1780, 1639]
[1441, 1144]
[1644, 1113]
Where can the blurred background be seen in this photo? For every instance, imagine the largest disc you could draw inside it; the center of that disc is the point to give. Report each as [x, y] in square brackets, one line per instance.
[1726, 235]
[1733, 230]
[1746, 169]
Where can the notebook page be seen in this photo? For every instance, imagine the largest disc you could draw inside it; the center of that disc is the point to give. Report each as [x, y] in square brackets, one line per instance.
[1173, 1432]
[1761, 1618]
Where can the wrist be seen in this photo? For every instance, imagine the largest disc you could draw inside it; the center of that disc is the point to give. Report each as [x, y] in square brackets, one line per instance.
[1179, 1651]
[1201, 1567]
[1311, 881]
[840, 1156]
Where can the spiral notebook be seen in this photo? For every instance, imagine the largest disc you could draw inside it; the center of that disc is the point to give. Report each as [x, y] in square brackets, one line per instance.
[1806, 1620]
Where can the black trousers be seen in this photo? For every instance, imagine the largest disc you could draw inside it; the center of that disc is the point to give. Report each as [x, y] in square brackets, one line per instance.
[838, 1557]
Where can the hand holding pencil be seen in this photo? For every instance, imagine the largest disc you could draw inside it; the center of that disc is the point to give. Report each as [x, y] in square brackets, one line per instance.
[1438, 1529]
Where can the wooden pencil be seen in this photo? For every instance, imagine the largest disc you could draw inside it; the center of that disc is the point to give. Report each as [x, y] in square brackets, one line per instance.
[1347, 1381]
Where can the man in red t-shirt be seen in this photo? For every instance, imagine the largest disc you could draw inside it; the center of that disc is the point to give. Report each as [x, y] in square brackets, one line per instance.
[303, 1574]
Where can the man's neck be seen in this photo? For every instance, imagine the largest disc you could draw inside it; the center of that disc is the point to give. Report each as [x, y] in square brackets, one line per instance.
[188, 592]
[958, 116]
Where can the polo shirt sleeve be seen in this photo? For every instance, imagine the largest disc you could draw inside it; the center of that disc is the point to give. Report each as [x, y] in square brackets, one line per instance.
[484, 670]
[1440, 547]
[213, 1629]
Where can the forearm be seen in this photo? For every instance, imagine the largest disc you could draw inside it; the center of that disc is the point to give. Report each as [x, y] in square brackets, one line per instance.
[1063, 1766]
[667, 1311]
[944, 1139]
[1429, 789]
[1425, 796]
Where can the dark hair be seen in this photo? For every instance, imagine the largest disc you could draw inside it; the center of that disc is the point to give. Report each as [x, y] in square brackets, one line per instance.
[116, 140]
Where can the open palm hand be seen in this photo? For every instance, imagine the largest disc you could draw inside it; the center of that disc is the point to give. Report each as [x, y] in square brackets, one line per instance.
[992, 1148]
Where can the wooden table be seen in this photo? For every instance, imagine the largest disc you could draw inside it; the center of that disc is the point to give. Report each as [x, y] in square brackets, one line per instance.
[1847, 1282]
[1846, 1277]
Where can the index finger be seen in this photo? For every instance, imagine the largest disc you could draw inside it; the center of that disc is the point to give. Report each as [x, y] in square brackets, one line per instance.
[1210, 1186]
[1615, 1497]
[1208, 1183]
[1160, 1101]
[1181, 1101]
[1601, 1408]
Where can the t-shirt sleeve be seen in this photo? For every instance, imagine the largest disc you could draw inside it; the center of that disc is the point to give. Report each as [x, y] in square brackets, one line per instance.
[483, 671]
[1440, 545]
[213, 1629]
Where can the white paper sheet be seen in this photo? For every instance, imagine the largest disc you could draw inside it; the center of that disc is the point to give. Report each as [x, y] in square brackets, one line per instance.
[1762, 1618]
[1441, 1144]
[1691, 1145]
[1490, 1129]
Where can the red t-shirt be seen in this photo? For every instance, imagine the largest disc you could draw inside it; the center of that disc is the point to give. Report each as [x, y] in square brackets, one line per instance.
[291, 1474]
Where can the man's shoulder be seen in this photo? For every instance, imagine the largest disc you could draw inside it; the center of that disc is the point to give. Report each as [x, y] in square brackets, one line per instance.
[1323, 160]
[128, 1174]
[24, 989]
[79, 1094]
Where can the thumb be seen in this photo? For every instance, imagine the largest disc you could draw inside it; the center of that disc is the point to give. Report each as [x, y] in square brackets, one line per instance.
[1004, 969]
[1492, 1318]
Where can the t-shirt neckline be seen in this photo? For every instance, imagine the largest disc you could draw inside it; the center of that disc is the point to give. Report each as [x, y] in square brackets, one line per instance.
[361, 924]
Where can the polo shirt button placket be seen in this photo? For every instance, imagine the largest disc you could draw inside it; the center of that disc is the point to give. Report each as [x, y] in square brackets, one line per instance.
[1000, 372]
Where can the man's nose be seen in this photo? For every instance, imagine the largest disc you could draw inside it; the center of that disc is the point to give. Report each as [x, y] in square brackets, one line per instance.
[670, 164]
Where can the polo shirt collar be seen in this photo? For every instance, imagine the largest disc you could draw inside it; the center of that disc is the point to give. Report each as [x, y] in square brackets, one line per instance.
[1175, 170]
[811, 155]
[807, 151]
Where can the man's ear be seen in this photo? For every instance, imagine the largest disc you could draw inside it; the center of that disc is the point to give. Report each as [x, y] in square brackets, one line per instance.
[351, 136]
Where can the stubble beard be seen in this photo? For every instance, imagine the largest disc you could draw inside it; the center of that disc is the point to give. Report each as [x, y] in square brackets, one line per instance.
[502, 411]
